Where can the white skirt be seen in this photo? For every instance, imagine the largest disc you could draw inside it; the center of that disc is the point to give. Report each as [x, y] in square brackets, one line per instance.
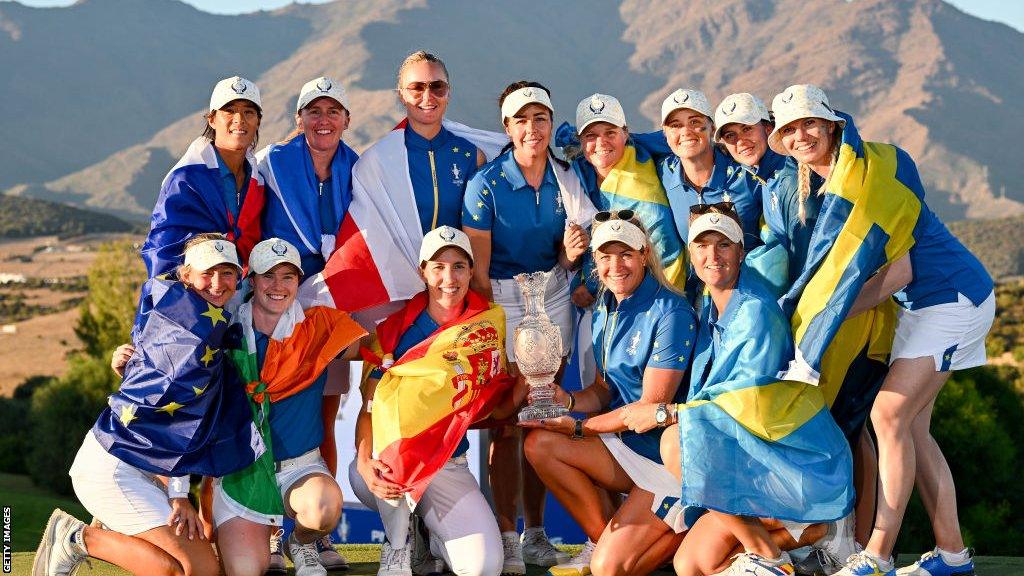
[952, 334]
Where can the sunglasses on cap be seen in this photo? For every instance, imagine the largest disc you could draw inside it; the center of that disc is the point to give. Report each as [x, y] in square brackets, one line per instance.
[727, 208]
[607, 215]
[439, 88]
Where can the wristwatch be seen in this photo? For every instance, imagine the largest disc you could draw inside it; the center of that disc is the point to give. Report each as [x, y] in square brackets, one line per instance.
[577, 433]
[661, 415]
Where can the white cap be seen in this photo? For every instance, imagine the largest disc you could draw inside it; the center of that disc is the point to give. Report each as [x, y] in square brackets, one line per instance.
[206, 255]
[716, 222]
[234, 88]
[599, 108]
[519, 99]
[796, 102]
[742, 108]
[321, 87]
[616, 230]
[685, 98]
[270, 253]
[443, 237]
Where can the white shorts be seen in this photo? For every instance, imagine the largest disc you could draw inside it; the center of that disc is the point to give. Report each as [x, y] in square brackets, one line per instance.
[952, 334]
[462, 527]
[122, 497]
[556, 304]
[654, 478]
[289, 472]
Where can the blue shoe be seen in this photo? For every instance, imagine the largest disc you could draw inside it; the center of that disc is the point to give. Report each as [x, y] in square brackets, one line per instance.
[863, 564]
[932, 564]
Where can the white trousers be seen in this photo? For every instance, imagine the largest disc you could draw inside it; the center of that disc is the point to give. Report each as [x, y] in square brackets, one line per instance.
[462, 527]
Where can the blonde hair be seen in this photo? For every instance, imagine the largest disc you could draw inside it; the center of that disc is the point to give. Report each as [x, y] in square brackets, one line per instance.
[803, 175]
[184, 269]
[421, 56]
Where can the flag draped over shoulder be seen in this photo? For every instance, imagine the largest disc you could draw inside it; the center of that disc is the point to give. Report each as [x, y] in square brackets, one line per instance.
[303, 343]
[293, 213]
[191, 201]
[426, 400]
[867, 219]
[751, 444]
[181, 407]
[376, 259]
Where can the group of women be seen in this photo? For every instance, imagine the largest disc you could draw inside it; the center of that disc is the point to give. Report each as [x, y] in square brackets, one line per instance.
[759, 285]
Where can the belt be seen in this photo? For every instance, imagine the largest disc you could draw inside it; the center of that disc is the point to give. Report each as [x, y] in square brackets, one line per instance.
[306, 459]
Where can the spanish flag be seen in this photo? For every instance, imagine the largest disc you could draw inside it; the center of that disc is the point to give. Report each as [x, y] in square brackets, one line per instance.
[867, 219]
[426, 400]
[303, 343]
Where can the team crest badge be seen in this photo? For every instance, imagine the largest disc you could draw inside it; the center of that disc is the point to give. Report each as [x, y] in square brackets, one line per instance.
[218, 246]
[279, 248]
[324, 85]
[239, 86]
[456, 175]
[447, 233]
[596, 105]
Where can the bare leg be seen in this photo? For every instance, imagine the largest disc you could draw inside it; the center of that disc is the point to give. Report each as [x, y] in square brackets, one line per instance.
[577, 472]
[206, 506]
[534, 492]
[865, 482]
[329, 447]
[315, 503]
[635, 541]
[505, 475]
[910, 387]
[935, 484]
[155, 552]
[244, 547]
[750, 532]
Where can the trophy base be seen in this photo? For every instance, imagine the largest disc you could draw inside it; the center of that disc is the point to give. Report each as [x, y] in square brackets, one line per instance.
[541, 412]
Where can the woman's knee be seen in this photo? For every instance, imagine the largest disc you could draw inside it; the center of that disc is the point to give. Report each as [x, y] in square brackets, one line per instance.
[540, 445]
[319, 512]
[888, 418]
[203, 564]
[608, 562]
[251, 564]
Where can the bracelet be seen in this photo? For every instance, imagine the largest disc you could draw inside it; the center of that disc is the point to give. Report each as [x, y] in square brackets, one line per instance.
[571, 403]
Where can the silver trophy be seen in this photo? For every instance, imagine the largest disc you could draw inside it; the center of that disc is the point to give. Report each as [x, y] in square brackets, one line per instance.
[538, 346]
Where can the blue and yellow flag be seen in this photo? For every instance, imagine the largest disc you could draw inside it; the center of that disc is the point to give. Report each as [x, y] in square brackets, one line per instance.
[753, 445]
[867, 219]
[181, 408]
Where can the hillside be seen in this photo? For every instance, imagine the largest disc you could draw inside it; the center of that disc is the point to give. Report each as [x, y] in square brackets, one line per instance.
[918, 73]
[24, 217]
[999, 244]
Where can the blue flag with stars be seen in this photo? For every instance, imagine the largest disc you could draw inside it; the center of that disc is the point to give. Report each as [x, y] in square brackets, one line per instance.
[181, 408]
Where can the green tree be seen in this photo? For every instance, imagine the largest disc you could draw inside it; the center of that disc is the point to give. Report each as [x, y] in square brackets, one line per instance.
[108, 312]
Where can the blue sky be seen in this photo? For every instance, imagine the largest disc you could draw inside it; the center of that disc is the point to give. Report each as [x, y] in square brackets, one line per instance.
[1008, 12]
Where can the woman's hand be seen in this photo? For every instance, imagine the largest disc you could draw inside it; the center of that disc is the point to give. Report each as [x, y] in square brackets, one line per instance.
[371, 471]
[185, 520]
[639, 416]
[119, 359]
[575, 241]
[563, 424]
[582, 297]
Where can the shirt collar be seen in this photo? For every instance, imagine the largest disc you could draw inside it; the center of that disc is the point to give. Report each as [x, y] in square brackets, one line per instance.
[514, 175]
[414, 140]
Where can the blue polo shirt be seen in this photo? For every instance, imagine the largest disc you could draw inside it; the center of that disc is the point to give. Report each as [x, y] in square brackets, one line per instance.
[295, 423]
[654, 327]
[439, 169]
[942, 267]
[781, 210]
[526, 224]
[234, 196]
[422, 327]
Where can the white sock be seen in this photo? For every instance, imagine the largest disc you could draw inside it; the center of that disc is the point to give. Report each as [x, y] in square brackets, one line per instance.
[534, 530]
[884, 564]
[954, 558]
[510, 534]
[78, 539]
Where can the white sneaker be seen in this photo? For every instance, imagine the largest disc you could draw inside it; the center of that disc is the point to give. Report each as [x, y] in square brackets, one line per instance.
[422, 560]
[539, 551]
[831, 552]
[513, 564]
[395, 561]
[750, 564]
[330, 558]
[578, 565]
[306, 558]
[61, 549]
[277, 566]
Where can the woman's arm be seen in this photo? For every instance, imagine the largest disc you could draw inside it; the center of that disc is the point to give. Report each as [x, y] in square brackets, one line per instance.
[574, 245]
[480, 241]
[887, 282]
[369, 467]
[660, 385]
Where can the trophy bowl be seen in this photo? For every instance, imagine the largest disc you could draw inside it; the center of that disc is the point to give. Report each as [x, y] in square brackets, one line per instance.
[538, 348]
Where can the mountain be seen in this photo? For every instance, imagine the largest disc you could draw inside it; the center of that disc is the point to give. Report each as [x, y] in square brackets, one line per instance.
[918, 73]
[23, 217]
[999, 244]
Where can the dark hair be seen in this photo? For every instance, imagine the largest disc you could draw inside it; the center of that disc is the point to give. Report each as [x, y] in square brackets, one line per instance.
[210, 134]
[517, 85]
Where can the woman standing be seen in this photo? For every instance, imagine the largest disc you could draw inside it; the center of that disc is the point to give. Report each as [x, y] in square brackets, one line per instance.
[643, 338]
[215, 185]
[946, 306]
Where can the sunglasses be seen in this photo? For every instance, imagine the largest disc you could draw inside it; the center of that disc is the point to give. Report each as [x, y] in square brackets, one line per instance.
[438, 88]
[727, 208]
[607, 215]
